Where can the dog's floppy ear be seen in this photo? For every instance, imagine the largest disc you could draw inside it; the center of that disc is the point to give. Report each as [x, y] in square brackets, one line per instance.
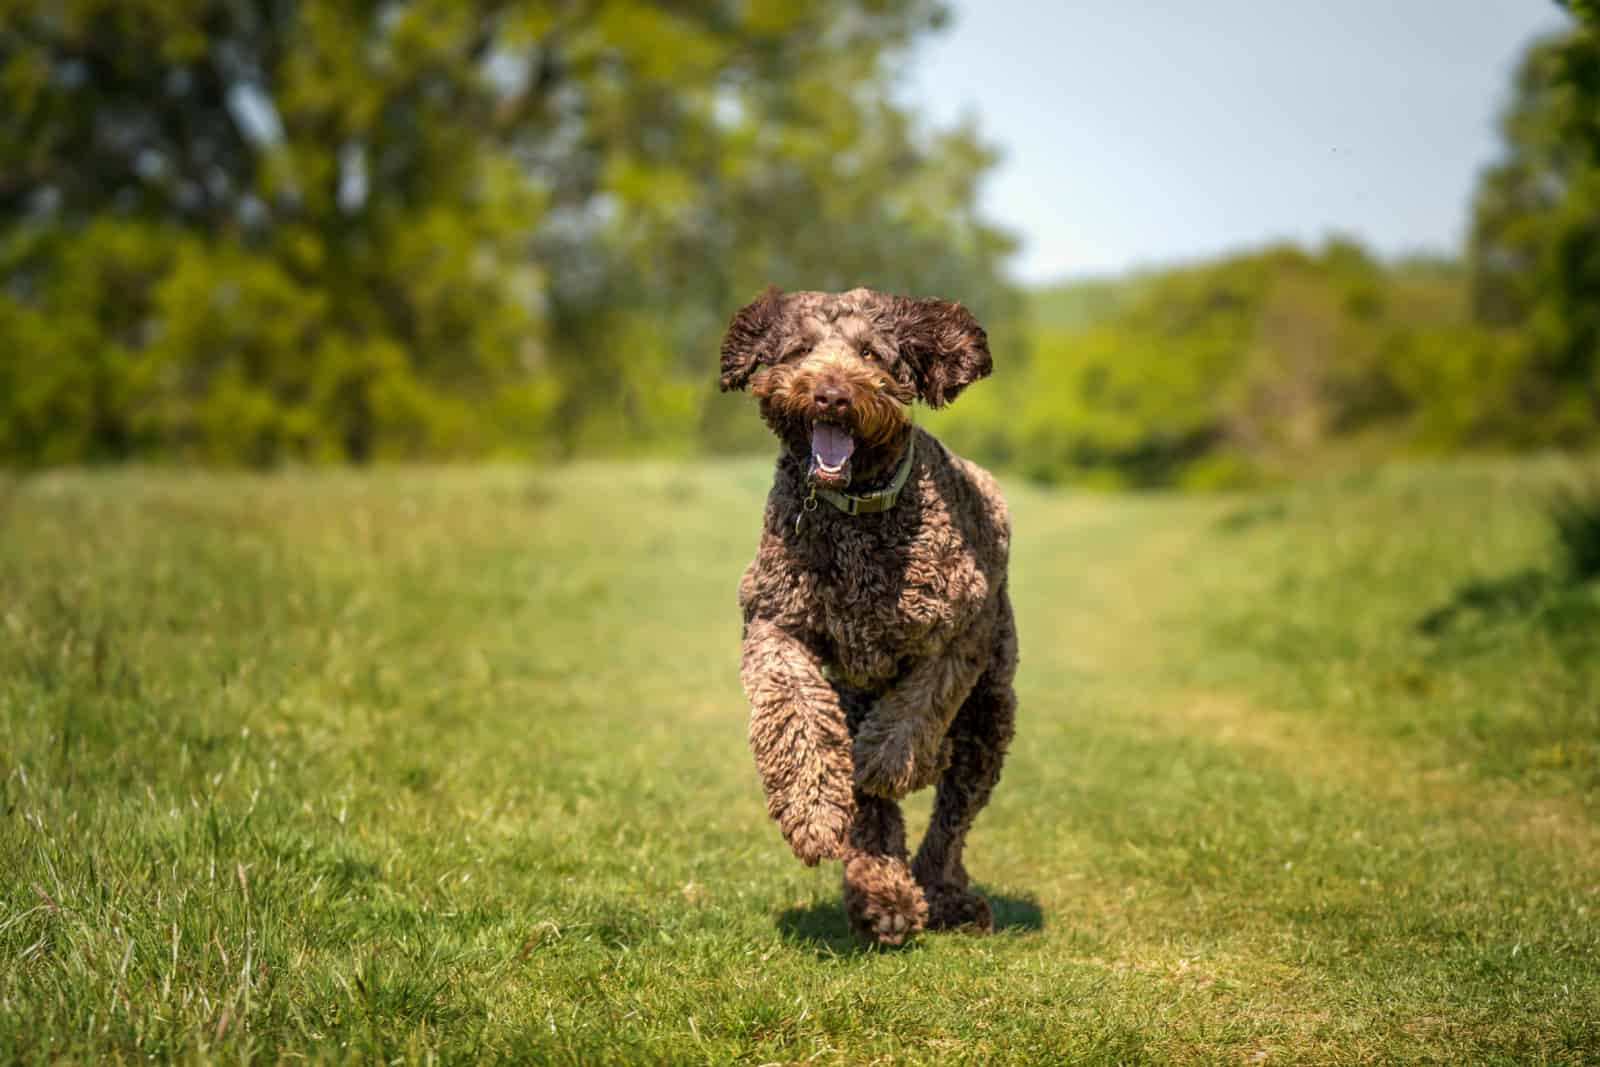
[748, 342]
[943, 344]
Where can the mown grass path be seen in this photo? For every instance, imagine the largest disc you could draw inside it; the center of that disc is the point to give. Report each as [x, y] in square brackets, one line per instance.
[451, 764]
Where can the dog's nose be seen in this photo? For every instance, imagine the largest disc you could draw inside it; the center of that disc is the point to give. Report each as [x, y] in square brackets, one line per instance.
[831, 398]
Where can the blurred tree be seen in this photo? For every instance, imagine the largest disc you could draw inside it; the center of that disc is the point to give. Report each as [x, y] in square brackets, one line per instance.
[1587, 10]
[249, 230]
[1253, 367]
[1535, 246]
[697, 152]
[245, 230]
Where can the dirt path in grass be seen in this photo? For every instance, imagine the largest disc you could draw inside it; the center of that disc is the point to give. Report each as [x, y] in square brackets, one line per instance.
[1279, 883]
[1386, 772]
[1115, 631]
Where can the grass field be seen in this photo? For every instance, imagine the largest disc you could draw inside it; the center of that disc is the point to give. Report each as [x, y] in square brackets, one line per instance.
[451, 764]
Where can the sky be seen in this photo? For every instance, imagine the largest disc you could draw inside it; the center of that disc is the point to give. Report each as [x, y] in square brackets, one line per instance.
[1159, 131]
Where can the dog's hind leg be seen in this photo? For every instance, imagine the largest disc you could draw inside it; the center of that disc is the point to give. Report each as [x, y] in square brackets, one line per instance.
[978, 738]
[881, 898]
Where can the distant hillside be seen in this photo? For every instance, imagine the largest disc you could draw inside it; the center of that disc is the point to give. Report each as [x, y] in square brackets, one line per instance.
[1257, 366]
[1081, 303]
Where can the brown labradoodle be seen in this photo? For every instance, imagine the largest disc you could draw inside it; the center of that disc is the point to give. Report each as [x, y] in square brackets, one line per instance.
[879, 646]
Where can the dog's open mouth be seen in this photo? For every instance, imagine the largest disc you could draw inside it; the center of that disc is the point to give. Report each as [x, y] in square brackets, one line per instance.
[831, 448]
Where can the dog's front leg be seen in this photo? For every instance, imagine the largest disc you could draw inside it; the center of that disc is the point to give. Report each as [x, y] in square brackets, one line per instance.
[899, 746]
[800, 740]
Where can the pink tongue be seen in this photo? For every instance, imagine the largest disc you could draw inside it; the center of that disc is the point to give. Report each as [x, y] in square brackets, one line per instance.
[831, 445]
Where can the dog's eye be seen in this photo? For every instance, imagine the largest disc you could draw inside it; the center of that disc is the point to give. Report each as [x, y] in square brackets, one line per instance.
[868, 354]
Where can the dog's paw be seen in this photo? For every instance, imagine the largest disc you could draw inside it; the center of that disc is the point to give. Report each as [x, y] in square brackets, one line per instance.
[885, 760]
[819, 830]
[884, 903]
[811, 845]
[953, 908]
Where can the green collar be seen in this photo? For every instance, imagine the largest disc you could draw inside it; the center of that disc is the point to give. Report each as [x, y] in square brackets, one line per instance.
[879, 500]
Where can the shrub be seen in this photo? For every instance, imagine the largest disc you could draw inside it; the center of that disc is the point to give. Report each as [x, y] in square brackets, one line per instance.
[1575, 512]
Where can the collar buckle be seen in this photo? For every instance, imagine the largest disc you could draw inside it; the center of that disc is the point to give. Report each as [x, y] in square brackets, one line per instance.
[806, 507]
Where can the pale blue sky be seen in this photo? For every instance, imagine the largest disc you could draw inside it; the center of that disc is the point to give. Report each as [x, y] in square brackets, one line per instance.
[1138, 133]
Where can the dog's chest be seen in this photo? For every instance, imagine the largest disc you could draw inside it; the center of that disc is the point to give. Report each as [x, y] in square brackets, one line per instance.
[881, 597]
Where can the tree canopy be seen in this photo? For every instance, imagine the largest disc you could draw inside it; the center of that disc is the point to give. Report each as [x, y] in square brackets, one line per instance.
[251, 230]
[1535, 246]
[1257, 366]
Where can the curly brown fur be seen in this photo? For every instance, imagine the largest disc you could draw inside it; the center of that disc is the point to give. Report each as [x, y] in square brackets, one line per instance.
[879, 649]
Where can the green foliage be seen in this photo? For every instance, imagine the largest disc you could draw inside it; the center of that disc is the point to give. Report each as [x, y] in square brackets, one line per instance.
[451, 765]
[1077, 305]
[316, 231]
[244, 233]
[1535, 248]
[249, 232]
[1253, 367]
[1587, 10]
[1575, 513]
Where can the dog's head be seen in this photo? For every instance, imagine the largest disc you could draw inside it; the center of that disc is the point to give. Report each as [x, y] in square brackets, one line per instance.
[836, 373]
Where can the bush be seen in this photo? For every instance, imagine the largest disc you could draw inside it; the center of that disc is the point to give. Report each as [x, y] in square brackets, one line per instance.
[1575, 513]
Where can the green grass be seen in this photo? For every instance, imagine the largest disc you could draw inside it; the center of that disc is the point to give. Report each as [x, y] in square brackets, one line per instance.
[451, 764]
